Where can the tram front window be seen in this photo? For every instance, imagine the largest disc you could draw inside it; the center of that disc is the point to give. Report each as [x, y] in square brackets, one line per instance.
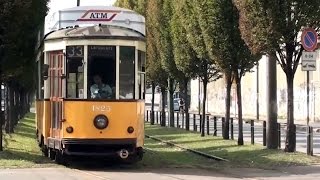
[127, 72]
[75, 81]
[101, 72]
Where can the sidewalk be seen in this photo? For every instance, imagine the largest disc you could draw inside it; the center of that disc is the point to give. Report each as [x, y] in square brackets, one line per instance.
[297, 172]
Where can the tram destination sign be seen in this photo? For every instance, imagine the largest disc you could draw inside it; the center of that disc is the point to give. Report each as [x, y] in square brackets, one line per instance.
[104, 51]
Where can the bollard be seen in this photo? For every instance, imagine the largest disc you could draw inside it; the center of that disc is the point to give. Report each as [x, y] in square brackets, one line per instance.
[252, 131]
[147, 116]
[264, 133]
[194, 123]
[231, 128]
[182, 121]
[279, 135]
[201, 124]
[157, 117]
[214, 126]
[178, 120]
[208, 127]
[223, 125]
[310, 141]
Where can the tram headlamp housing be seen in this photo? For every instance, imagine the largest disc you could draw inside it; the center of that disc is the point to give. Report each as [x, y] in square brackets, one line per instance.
[69, 129]
[101, 122]
[130, 129]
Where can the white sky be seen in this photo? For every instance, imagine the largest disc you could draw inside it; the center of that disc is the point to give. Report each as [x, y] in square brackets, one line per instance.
[56, 5]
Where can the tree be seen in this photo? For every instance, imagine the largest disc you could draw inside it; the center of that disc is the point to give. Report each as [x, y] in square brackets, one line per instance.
[184, 55]
[155, 73]
[167, 54]
[273, 27]
[204, 68]
[219, 24]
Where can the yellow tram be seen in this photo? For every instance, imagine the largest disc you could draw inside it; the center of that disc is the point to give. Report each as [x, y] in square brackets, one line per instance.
[91, 84]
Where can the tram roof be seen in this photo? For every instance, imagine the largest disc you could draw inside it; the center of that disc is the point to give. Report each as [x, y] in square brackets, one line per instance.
[96, 31]
[94, 15]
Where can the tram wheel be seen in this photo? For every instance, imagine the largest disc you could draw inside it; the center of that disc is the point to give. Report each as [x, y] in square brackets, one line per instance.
[52, 154]
[60, 158]
[45, 150]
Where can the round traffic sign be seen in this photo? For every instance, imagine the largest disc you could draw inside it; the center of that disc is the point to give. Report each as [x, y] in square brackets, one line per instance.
[309, 39]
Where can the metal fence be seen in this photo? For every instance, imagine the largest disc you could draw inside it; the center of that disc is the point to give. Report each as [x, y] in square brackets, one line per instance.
[253, 131]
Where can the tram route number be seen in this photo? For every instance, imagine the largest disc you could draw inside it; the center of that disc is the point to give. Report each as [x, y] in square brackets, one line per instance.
[98, 108]
[74, 51]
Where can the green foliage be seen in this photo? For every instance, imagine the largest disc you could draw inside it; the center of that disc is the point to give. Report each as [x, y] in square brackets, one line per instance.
[204, 66]
[155, 72]
[136, 5]
[219, 24]
[167, 55]
[22, 21]
[273, 26]
[184, 55]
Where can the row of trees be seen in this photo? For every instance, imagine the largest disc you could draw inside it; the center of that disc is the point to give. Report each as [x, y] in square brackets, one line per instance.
[21, 22]
[189, 39]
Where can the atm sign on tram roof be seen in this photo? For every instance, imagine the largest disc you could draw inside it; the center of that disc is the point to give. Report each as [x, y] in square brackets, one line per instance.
[309, 39]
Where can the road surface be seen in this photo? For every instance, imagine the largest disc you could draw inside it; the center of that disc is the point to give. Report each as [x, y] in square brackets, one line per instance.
[159, 174]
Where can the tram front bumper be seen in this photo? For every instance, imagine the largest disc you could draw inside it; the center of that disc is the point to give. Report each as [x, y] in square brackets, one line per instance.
[99, 147]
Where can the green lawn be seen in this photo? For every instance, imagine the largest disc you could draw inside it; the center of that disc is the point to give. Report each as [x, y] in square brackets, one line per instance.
[239, 156]
[21, 149]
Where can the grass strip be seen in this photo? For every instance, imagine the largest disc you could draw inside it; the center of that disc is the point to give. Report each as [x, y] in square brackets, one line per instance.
[249, 156]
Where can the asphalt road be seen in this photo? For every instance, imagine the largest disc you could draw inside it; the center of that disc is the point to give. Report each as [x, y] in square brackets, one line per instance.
[301, 134]
[75, 174]
[295, 173]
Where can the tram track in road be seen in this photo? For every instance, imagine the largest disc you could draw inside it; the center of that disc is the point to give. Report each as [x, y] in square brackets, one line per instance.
[209, 156]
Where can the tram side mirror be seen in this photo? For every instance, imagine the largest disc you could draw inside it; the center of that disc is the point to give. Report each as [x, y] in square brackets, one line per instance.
[45, 71]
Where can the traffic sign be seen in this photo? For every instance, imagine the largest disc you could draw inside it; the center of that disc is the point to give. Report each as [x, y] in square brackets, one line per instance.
[309, 66]
[308, 62]
[309, 39]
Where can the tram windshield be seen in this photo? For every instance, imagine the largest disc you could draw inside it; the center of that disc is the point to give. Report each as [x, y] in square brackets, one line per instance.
[101, 72]
[97, 78]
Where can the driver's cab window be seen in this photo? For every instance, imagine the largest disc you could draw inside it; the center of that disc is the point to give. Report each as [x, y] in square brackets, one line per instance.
[101, 72]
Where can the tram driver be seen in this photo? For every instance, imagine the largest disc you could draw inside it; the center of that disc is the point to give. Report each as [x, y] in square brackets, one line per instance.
[99, 90]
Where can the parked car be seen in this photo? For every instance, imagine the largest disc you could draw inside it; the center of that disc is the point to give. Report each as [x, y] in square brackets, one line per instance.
[177, 105]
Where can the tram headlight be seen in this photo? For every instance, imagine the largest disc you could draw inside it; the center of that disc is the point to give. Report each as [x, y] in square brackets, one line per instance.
[130, 129]
[101, 122]
[69, 129]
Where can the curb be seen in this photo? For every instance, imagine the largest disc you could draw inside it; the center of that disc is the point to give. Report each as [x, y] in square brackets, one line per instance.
[190, 150]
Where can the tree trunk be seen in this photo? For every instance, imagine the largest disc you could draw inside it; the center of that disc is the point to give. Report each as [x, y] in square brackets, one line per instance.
[228, 103]
[9, 121]
[272, 112]
[170, 102]
[186, 103]
[202, 122]
[163, 108]
[291, 134]
[239, 100]
[153, 88]
[1, 115]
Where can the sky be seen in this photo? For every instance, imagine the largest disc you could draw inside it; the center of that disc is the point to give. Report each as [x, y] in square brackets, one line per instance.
[56, 5]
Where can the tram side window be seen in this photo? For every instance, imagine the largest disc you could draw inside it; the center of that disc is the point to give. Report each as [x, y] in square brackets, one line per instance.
[141, 72]
[127, 72]
[75, 70]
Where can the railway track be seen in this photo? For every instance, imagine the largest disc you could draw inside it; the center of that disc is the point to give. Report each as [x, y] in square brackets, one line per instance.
[209, 156]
